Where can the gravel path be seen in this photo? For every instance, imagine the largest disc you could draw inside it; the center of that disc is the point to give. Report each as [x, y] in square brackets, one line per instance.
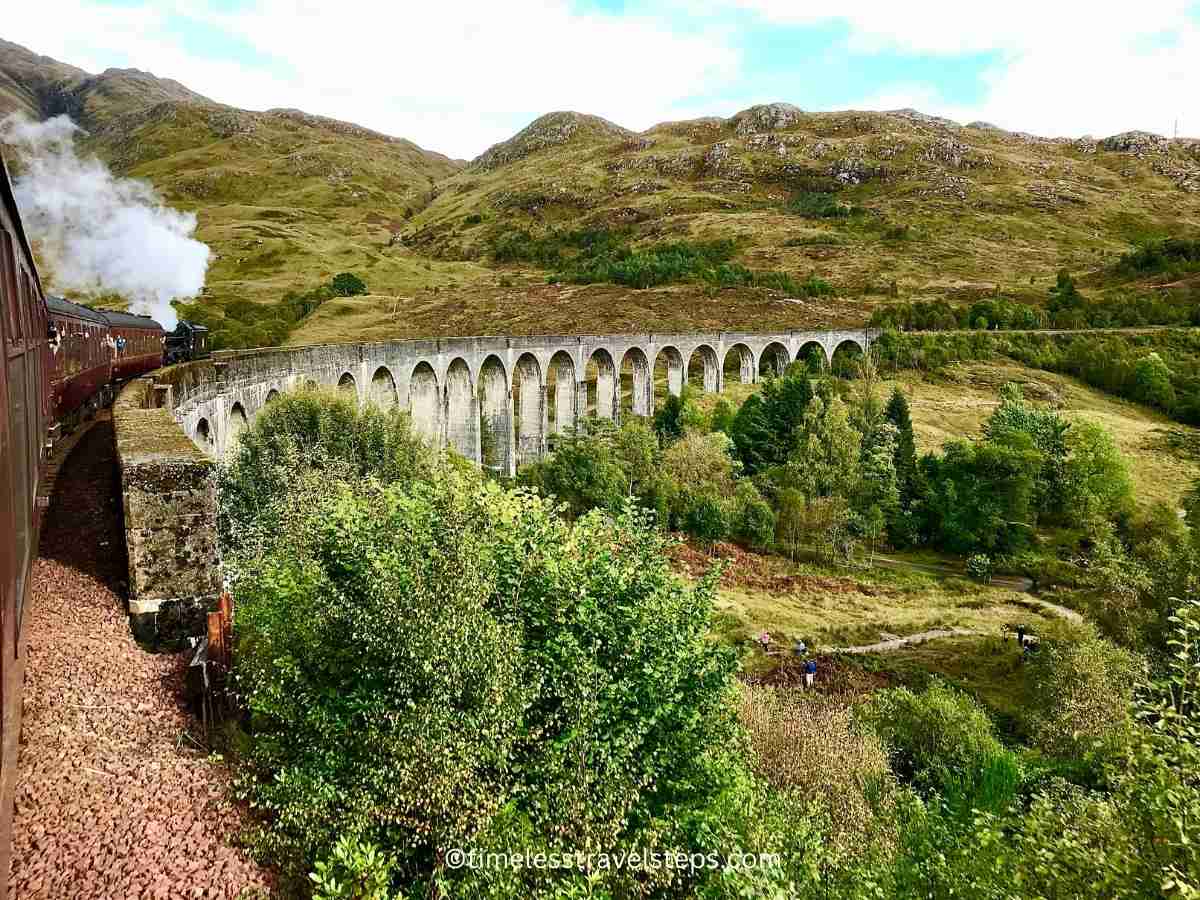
[112, 800]
[898, 643]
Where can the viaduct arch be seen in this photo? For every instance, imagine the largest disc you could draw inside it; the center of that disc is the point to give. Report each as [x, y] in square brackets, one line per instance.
[498, 401]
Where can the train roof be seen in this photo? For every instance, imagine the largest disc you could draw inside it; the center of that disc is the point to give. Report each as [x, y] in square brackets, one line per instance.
[129, 320]
[63, 307]
[10, 203]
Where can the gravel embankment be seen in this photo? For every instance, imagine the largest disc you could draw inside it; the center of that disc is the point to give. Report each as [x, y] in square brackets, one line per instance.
[113, 798]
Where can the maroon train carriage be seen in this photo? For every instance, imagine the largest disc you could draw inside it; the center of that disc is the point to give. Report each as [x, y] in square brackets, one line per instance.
[137, 343]
[80, 361]
[24, 417]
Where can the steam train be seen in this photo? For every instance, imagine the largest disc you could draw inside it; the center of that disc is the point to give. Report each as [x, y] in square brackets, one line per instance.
[61, 361]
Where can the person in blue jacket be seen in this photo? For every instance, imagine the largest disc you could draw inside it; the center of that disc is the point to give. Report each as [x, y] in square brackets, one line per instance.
[810, 673]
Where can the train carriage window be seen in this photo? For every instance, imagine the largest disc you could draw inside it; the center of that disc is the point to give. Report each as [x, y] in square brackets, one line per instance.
[8, 287]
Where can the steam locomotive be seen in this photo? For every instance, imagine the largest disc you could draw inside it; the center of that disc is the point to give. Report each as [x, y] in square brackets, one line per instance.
[187, 342]
[60, 361]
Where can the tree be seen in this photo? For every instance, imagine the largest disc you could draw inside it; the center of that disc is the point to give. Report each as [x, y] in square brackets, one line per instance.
[981, 494]
[1047, 430]
[1083, 697]
[1096, 479]
[763, 427]
[903, 526]
[1152, 382]
[636, 448]
[825, 456]
[347, 284]
[754, 522]
[722, 416]
[584, 471]
[876, 498]
[677, 415]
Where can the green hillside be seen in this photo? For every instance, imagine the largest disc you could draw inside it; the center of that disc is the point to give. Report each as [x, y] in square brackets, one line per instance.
[774, 217]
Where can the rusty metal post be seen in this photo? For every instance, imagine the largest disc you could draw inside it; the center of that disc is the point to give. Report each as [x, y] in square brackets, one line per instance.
[216, 637]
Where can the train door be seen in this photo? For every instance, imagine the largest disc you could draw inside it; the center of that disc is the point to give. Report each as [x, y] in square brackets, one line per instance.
[8, 505]
[19, 415]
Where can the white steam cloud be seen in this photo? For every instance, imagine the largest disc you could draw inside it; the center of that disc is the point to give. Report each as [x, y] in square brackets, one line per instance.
[97, 233]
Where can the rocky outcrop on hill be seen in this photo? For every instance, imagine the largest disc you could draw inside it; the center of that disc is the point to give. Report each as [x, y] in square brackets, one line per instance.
[766, 117]
[1137, 143]
[550, 130]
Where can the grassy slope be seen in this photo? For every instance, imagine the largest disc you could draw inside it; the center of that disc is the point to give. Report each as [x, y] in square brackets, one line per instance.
[985, 207]
[287, 200]
[284, 199]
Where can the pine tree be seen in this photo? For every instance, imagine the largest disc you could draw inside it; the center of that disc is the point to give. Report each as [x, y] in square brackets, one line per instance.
[903, 523]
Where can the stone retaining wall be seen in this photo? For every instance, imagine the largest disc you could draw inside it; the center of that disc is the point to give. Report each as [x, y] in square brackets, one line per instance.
[169, 500]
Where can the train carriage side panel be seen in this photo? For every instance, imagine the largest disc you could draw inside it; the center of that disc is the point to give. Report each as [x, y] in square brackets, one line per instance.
[138, 344]
[23, 408]
[81, 364]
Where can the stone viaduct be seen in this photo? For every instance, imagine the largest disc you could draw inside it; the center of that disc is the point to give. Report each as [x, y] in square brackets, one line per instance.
[496, 400]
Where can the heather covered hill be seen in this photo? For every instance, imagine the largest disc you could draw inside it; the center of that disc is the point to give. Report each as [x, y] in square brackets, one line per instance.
[285, 199]
[863, 199]
[774, 215]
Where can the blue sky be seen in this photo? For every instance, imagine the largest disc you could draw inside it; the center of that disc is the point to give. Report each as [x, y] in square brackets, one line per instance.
[458, 75]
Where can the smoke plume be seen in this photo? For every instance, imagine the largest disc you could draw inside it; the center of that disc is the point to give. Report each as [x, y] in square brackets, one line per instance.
[99, 234]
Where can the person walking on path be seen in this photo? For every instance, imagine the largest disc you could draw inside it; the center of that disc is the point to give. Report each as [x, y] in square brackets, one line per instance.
[810, 673]
[765, 640]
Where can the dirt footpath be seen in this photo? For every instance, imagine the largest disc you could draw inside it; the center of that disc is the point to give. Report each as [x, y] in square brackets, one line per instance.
[113, 799]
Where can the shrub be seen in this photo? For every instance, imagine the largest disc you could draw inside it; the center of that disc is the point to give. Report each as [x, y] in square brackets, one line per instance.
[943, 740]
[433, 663]
[704, 517]
[755, 520]
[303, 433]
[584, 471]
[355, 870]
[1083, 694]
[812, 748]
[816, 205]
[979, 566]
[347, 284]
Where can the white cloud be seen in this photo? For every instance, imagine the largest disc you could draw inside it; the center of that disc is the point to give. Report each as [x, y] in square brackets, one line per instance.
[454, 76]
[458, 75]
[1065, 67]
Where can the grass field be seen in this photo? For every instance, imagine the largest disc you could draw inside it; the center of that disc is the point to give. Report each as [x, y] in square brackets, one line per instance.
[956, 405]
[956, 402]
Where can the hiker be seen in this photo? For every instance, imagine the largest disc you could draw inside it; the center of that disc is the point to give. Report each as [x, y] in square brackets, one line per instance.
[801, 648]
[810, 672]
[1021, 636]
[765, 640]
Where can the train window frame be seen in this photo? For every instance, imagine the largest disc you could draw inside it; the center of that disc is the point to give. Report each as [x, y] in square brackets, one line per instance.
[8, 284]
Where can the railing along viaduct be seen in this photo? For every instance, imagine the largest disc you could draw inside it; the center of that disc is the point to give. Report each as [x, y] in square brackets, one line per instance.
[502, 398]
[508, 394]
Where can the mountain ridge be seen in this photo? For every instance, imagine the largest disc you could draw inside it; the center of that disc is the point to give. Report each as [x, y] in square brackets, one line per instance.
[883, 205]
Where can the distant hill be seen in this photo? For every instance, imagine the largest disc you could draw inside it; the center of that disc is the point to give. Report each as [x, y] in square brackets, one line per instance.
[861, 198]
[284, 198]
[884, 207]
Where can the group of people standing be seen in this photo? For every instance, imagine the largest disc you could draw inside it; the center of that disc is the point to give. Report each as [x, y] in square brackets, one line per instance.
[800, 651]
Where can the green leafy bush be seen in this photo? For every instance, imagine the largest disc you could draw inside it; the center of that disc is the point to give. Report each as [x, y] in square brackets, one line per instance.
[347, 284]
[980, 567]
[1083, 697]
[305, 435]
[355, 870]
[942, 740]
[754, 523]
[426, 663]
[816, 205]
